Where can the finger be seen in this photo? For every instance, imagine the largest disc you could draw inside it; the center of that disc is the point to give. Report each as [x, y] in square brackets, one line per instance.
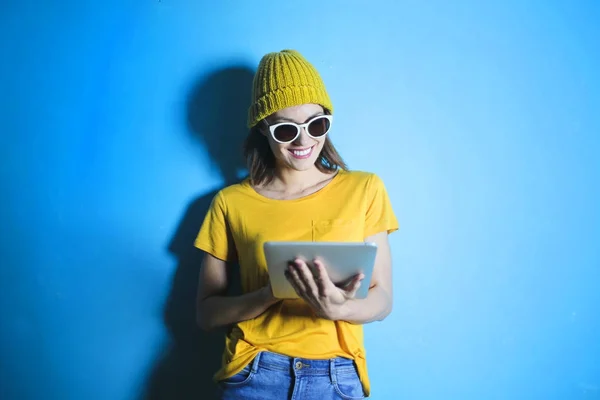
[354, 285]
[322, 279]
[305, 274]
[295, 285]
[294, 280]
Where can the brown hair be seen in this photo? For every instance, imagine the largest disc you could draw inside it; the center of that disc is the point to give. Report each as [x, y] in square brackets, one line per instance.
[261, 160]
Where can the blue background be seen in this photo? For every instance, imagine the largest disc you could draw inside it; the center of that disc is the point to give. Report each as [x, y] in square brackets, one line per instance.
[119, 119]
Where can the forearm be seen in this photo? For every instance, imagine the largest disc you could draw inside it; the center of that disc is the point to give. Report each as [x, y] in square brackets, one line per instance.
[375, 307]
[218, 311]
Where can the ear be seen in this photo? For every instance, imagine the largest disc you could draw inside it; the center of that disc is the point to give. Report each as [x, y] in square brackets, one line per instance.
[263, 127]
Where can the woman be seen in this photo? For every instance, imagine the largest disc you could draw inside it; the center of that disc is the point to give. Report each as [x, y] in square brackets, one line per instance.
[299, 189]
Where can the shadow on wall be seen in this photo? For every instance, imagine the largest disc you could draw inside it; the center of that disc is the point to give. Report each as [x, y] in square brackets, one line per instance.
[216, 115]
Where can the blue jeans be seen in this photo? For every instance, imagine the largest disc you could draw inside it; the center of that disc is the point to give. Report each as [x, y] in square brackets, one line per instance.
[277, 377]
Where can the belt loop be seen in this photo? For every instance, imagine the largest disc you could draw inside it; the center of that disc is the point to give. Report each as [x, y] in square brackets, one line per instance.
[255, 362]
[332, 373]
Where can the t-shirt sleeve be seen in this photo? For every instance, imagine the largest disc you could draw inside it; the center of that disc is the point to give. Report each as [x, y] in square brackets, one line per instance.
[380, 216]
[215, 235]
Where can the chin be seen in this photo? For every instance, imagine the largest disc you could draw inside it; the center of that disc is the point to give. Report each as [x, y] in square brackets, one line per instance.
[304, 166]
[299, 165]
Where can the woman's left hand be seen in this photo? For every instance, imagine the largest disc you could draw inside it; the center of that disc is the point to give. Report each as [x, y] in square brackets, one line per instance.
[317, 289]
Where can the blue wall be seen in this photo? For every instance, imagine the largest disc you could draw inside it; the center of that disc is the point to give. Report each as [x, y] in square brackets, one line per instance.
[120, 119]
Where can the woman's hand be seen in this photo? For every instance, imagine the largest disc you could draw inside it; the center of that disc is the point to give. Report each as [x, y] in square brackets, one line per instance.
[317, 289]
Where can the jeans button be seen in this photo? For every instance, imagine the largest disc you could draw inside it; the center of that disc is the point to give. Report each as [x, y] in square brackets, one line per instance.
[298, 365]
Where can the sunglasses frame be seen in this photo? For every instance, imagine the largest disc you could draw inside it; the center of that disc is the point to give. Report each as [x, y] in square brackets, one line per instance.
[299, 128]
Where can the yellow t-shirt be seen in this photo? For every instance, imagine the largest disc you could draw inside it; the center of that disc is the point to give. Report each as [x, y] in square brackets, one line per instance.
[353, 206]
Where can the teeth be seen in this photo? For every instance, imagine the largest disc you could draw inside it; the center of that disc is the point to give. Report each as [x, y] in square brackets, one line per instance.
[301, 152]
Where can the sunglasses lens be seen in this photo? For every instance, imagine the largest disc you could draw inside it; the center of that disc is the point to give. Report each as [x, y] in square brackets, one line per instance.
[285, 132]
[319, 127]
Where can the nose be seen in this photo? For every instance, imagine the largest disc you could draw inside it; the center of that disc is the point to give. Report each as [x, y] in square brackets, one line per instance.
[303, 138]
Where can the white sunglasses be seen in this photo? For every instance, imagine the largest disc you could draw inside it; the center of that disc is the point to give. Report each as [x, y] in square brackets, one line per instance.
[287, 132]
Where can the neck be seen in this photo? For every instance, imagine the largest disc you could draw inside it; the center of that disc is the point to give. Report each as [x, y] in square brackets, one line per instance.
[292, 181]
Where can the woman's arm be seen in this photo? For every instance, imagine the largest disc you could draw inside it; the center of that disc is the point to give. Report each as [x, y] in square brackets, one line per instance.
[215, 310]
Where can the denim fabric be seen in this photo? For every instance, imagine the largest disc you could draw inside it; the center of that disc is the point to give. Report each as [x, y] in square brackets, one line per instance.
[273, 376]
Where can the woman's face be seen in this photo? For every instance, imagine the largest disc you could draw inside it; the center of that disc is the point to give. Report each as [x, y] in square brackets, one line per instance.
[302, 153]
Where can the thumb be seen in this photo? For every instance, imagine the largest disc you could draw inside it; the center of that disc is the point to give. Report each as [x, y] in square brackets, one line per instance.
[354, 285]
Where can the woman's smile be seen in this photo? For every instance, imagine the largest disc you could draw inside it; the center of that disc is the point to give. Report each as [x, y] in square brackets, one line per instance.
[302, 153]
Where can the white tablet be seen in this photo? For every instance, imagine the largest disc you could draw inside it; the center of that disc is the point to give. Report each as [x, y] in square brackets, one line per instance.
[342, 261]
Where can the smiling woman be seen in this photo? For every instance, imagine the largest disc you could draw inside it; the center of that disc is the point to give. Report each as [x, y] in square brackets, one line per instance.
[299, 189]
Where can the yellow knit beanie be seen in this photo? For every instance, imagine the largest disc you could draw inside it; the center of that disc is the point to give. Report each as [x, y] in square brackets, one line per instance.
[285, 79]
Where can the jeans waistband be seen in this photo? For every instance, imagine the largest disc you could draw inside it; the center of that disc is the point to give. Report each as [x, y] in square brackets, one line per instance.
[300, 366]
